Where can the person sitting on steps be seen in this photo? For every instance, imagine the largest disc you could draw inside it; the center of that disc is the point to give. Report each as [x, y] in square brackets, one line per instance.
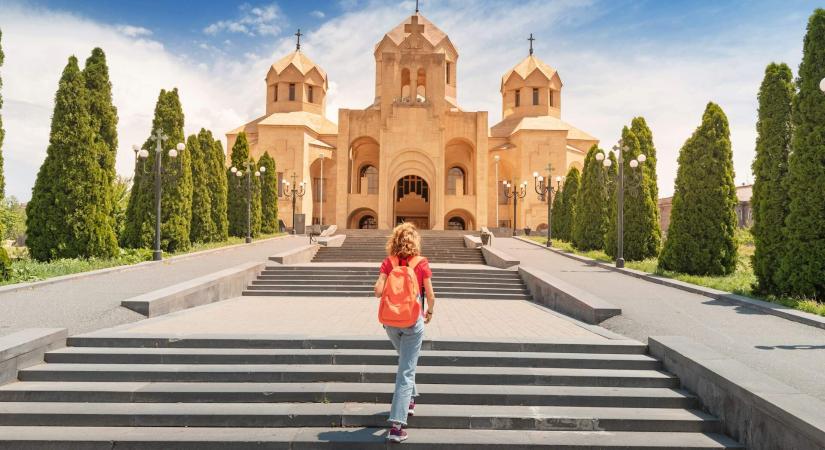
[404, 280]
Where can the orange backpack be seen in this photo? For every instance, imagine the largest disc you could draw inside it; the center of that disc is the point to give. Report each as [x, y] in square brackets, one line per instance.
[399, 305]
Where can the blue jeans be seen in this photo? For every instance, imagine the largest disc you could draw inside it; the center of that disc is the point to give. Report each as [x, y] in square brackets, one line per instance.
[407, 341]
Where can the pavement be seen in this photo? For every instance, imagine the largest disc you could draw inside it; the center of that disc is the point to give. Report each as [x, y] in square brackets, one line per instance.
[353, 316]
[788, 351]
[91, 303]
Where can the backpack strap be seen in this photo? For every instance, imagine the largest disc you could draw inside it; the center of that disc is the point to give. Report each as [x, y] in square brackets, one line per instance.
[394, 261]
[414, 261]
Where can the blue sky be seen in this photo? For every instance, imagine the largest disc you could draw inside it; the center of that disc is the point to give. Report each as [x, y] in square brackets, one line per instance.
[618, 59]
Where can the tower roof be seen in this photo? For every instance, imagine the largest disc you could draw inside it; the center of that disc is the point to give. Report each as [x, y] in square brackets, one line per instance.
[527, 66]
[300, 61]
[431, 32]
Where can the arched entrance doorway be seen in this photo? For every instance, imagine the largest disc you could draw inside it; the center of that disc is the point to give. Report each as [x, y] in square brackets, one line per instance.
[412, 201]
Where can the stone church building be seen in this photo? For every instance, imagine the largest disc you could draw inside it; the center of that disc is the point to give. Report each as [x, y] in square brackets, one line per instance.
[414, 154]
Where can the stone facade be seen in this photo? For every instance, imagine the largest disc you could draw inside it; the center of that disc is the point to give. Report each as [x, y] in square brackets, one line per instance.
[414, 154]
[744, 213]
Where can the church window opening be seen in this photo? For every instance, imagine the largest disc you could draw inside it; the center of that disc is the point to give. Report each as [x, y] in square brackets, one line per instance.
[502, 194]
[456, 223]
[292, 92]
[449, 66]
[421, 86]
[280, 184]
[412, 183]
[275, 93]
[518, 98]
[552, 102]
[369, 174]
[455, 181]
[309, 94]
[405, 86]
[535, 96]
[316, 190]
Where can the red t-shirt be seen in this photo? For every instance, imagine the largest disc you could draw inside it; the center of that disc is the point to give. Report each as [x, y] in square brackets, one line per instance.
[422, 270]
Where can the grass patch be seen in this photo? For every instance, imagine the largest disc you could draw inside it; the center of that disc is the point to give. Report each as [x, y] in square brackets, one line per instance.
[741, 281]
[25, 269]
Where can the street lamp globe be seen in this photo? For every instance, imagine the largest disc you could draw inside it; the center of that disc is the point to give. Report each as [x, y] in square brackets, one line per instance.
[607, 163]
[822, 85]
[497, 158]
[257, 174]
[173, 153]
[135, 148]
[233, 169]
[558, 178]
[535, 174]
[262, 169]
[599, 156]
[143, 153]
[642, 158]
[540, 178]
[181, 146]
[239, 173]
[634, 163]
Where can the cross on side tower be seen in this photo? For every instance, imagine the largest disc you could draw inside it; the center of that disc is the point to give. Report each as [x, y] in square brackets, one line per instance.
[414, 26]
[531, 39]
[299, 34]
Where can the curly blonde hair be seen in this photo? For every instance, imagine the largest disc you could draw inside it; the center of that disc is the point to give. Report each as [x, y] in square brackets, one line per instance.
[404, 241]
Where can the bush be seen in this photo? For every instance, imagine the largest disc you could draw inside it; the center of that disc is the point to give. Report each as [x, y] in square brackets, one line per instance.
[5, 264]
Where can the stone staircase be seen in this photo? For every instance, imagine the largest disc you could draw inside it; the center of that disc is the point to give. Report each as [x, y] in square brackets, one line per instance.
[368, 246]
[316, 280]
[110, 391]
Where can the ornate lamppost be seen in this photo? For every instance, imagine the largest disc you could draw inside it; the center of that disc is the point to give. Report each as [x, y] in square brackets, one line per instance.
[634, 163]
[544, 187]
[296, 192]
[515, 192]
[141, 154]
[249, 165]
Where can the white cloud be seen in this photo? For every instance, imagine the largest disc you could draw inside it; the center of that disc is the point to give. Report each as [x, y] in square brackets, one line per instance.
[133, 31]
[317, 14]
[252, 21]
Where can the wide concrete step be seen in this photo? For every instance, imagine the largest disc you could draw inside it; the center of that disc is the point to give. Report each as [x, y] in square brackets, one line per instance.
[444, 394]
[201, 438]
[371, 281]
[115, 355]
[484, 417]
[302, 373]
[439, 290]
[372, 269]
[364, 293]
[374, 272]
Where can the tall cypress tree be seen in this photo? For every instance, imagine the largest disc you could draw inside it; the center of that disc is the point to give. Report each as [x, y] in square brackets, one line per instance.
[590, 222]
[201, 229]
[66, 217]
[239, 193]
[218, 190]
[568, 205]
[639, 127]
[558, 210]
[104, 123]
[700, 238]
[2, 132]
[641, 226]
[269, 195]
[803, 265]
[176, 201]
[770, 169]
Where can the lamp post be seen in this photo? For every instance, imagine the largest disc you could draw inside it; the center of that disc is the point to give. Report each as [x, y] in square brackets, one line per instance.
[545, 188]
[634, 163]
[249, 165]
[142, 154]
[515, 192]
[321, 193]
[497, 158]
[296, 192]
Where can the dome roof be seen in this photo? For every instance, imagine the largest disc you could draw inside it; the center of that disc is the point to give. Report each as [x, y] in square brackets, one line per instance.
[431, 32]
[300, 61]
[527, 66]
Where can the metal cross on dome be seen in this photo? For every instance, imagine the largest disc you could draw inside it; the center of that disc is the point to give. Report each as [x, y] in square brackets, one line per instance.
[299, 34]
[531, 39]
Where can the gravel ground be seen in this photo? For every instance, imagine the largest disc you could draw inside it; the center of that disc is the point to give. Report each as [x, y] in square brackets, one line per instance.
[788, 351]
[88, 304]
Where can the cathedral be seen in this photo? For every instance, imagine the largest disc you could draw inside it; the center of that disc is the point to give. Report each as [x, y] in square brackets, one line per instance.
[414, 154]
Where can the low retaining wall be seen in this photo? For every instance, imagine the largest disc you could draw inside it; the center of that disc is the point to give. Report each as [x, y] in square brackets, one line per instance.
[566, 298]
[210, 288]
[297, 255]
[754, 409]
[331, 241]
[471, 241]
[497, 258]
[26, 348]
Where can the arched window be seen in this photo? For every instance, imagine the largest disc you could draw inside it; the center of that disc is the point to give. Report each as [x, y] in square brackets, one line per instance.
[421, 86]
[455, 182]
[370, 175]
[367, 223]
[405, 86]
[518, 98]
[309, 94]
[456, 223]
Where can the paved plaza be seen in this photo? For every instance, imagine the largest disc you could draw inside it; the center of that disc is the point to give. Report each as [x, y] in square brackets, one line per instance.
[785, 350]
